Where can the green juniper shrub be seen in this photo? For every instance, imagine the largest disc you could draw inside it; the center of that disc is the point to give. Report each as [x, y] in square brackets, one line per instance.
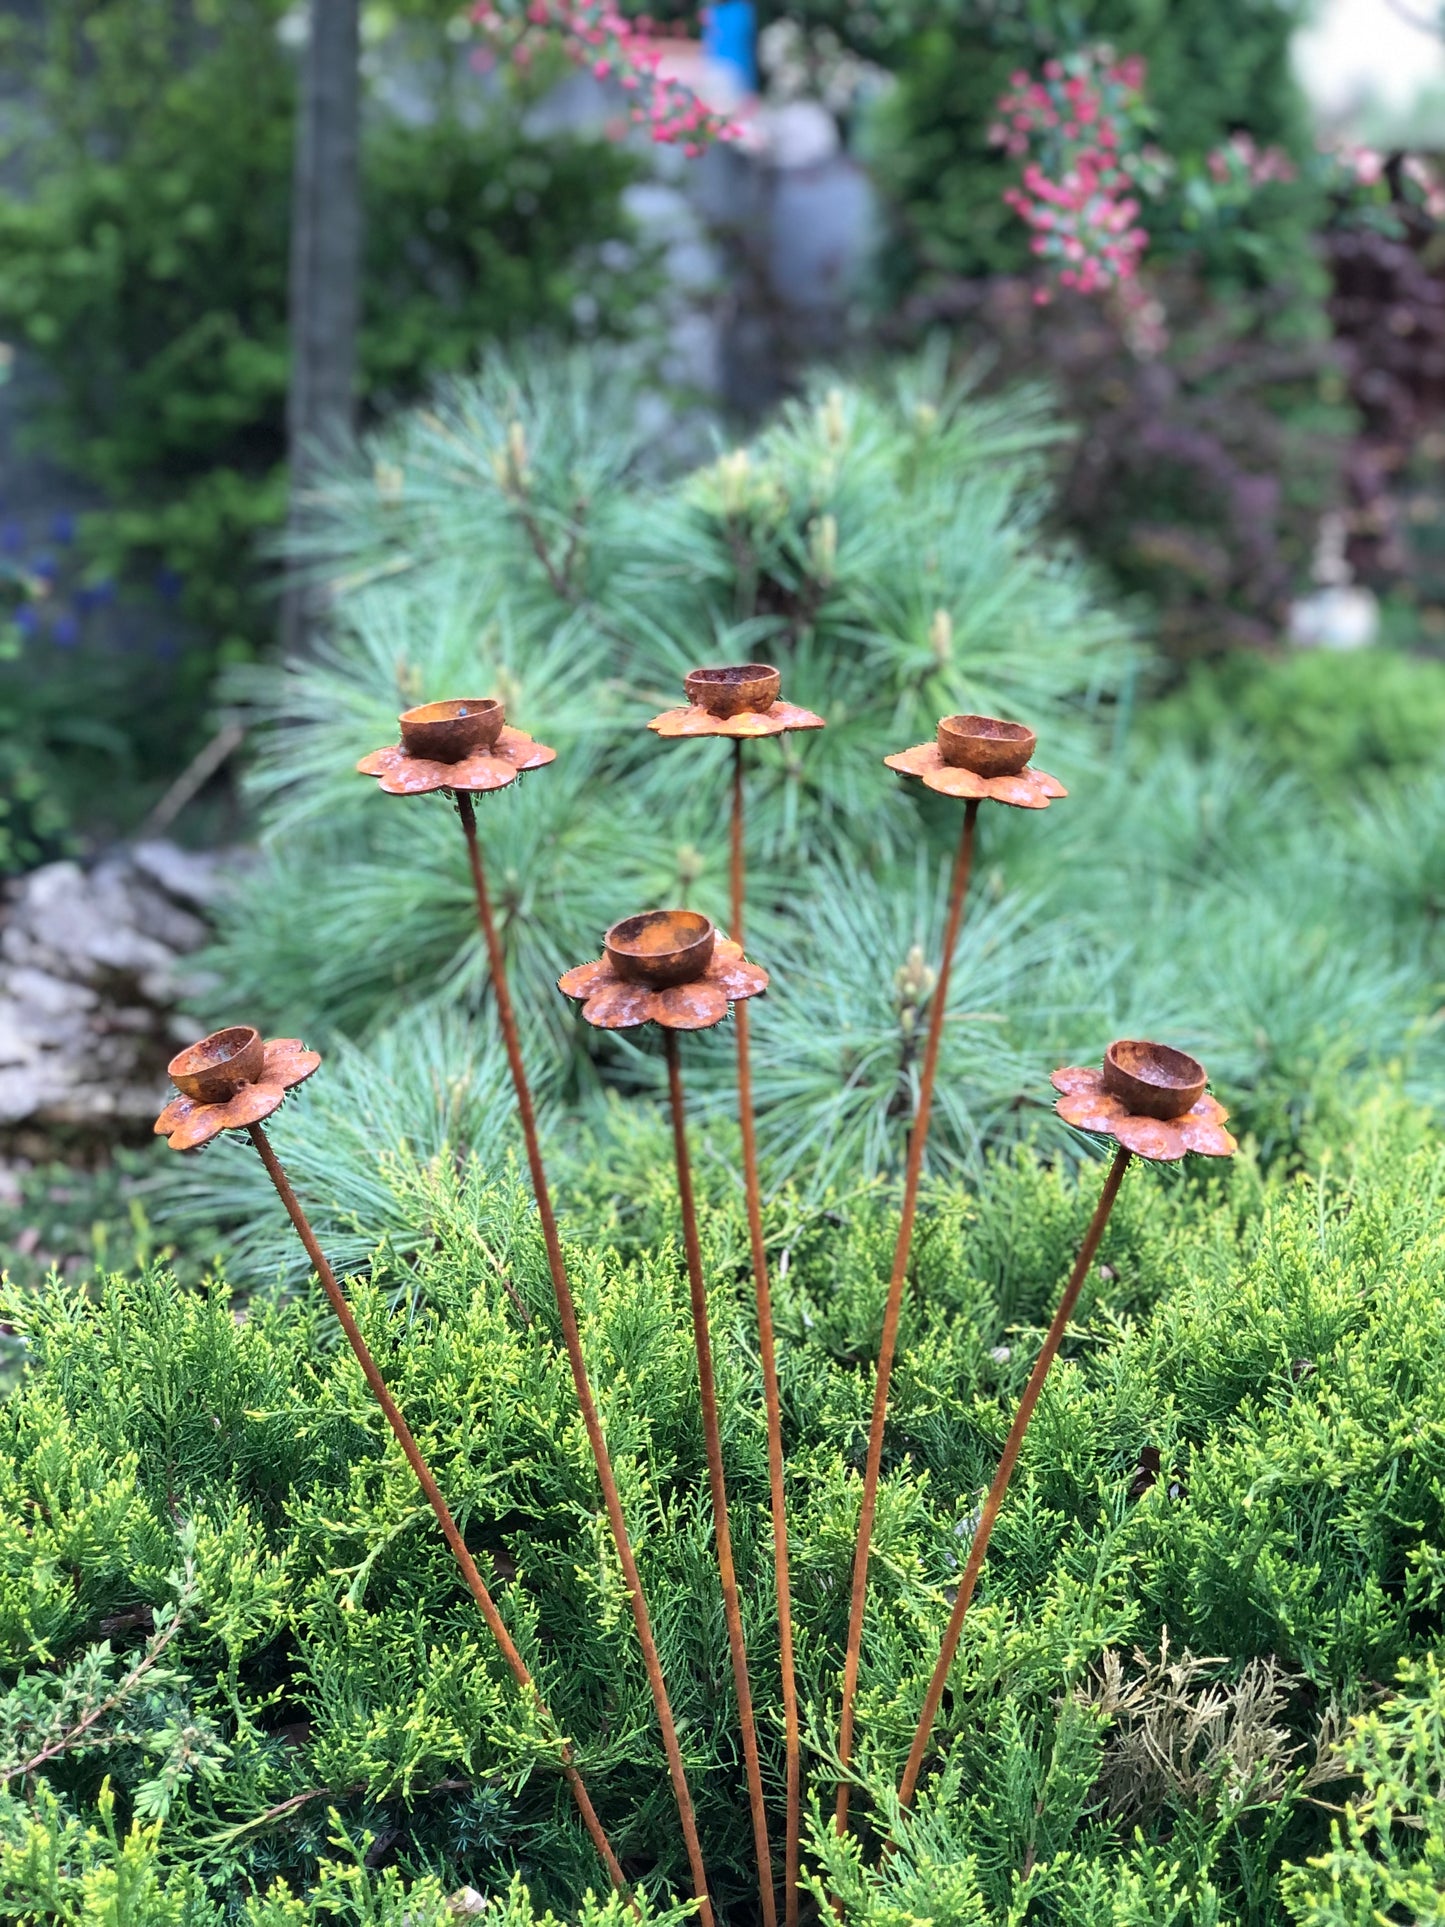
[1338, 721]
[211, 1553]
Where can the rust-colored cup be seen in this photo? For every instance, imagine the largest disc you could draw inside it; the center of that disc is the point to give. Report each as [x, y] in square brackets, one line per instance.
[985, 745]
[661, 947]
[217, 1067]
[739, 686]
[1153, 1079]
[450, 732]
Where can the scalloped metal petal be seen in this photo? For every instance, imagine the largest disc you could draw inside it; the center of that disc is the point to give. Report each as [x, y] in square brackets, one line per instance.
[176, 1113]
[287, 1063]
[1158, 1139]
[415, 775]
[694, 1006]
[1076, 1078]
[583, 979]
[619, 1006]
[735, 978]
[1091, 1111]
[250, 1105]
[694, 720]
[796, 717]
[917, 761]
[1205, 1134]
[480, 773]
[687, 721]
[516, 747]
[379, 761]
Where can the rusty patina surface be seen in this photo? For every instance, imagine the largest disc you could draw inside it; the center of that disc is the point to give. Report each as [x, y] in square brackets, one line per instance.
[612, 1001]
[1087, 1102]
[228, 1081]
[1029, 789]
[463, 745]
[737, 700]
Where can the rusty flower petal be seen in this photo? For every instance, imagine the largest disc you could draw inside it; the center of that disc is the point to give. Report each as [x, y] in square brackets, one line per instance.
[740, 980]
[516, 747]
[1077, 1078]
[1091, 1110]
[288, 1063]
[1031, 789]
[694, 1006]
[201, 1122]
[615, 1005]
[694, 720]
[586, 978]
[1204, 1132]
[402, 774]
[1149, 1137]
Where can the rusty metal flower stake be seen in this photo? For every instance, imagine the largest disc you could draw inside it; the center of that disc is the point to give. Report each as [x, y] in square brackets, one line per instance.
[465, 747]
[739, 702]
[975, 759]
[1153, 1102]
[670, 968]
[232, 1081]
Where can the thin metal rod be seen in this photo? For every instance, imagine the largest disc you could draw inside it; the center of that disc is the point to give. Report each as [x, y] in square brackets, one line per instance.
[429, 1486]
[771, 1397]
[984, 1529]
[732, 1610]
[572, 1338]
[963, 864]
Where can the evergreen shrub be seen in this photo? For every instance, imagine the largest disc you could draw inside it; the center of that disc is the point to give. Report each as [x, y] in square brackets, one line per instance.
[886, 550]
[260, 1694]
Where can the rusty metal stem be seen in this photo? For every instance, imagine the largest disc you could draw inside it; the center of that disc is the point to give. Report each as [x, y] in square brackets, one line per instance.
[430, 1487]
[567, 1312]
[771, 1398]
[983, 1531]
[963, 864]
[732, 1611]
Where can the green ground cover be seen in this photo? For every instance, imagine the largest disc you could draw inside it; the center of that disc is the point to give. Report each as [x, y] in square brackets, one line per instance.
[1185, 1706]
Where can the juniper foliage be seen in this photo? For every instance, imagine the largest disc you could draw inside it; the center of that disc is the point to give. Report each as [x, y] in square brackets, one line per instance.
[335, 1736]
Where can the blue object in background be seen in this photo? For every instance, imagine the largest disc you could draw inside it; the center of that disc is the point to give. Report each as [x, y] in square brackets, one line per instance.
[730, 36]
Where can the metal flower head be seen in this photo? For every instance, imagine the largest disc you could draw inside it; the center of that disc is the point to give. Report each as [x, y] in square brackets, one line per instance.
[1149, 1098]
[229, 1080]
[740, 700]
[981, 759]
[459, 745]
[666, 967]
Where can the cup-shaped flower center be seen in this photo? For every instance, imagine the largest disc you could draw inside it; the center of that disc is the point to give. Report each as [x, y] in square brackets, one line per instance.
[215, 1069]
[736, 687]
[985, 745]
[450, 732]
[1154, 1080]
[661, 947]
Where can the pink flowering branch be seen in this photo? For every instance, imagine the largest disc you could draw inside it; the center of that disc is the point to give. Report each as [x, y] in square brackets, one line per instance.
[594, 35]
[1075, 129]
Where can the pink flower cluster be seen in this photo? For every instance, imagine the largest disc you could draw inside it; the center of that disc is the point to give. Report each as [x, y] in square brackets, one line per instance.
[596, 36]
[1076, 195]
[1239, 163]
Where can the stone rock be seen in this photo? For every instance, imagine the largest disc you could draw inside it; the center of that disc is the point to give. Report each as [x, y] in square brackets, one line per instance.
[92, 966]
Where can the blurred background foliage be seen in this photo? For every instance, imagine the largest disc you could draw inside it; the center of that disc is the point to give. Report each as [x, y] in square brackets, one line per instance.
[143, 266]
